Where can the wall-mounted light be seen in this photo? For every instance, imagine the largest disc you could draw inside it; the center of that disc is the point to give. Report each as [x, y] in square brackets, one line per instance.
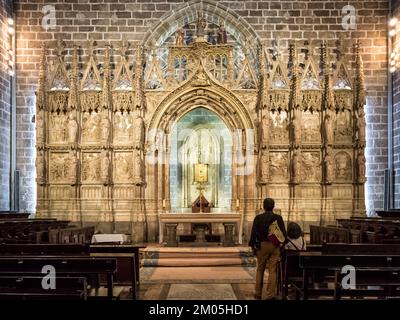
[394, 56]
[10, 57]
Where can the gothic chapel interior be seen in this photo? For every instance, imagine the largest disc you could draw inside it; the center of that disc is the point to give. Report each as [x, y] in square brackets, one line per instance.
[147, 134]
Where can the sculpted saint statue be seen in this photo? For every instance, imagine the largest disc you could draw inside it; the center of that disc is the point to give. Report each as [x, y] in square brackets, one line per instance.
[329, 167]
[264, 130]
[361, 165]
[328, 128]
[39, 128]
[137, 168]
[222, 37]
[201, 25]
[296, 128]
[360, 115]
[72, 128]
[264, 166]
[105, 164]
[296, 165]
[40, 166]
[138, 126]
[105, 128]
[179, 37]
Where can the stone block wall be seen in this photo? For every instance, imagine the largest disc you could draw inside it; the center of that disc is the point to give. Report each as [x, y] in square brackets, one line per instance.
[113, 21]
[5, 106]
[396, 116]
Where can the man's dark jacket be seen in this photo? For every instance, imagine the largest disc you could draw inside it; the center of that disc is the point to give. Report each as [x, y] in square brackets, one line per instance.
[260, 227]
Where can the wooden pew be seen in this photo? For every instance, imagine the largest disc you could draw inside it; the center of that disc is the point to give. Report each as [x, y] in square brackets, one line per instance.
[30, 288]
[124, 274]
[291, 274]
[64, 266]
[44, 249]
[27, 230]
[339, 248]
[332, 264]
[7, 215]
[127, 256]
[79, 235]
[320, 235]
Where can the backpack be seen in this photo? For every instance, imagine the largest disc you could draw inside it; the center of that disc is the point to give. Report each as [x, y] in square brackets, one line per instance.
[275, 235]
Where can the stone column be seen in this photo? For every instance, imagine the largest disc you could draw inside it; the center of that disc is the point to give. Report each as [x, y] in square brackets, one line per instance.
[228, 241]
[171, 234]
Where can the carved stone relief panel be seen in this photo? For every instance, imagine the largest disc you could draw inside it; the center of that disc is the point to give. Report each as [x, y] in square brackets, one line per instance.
[343, 127]
[279, 128]
[58, 129]
[123, 167]
[91, 170]
[278, 166]
[310, 131]
[62, 167]
[123, 128]
[310, 166]
[343, 166]
[91, 127]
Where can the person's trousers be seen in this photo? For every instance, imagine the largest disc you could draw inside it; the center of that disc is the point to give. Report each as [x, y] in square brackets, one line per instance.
[267, 255]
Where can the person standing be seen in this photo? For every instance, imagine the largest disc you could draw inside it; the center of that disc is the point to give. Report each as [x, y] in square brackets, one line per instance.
[268, 235]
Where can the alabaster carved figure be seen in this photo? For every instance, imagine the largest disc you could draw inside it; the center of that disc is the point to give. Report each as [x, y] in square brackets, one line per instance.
[105, 166]
[329, 167]
[360, 121]
[40, 165]
[361, 166]
[123, 167]
[123, 127]
[296, 128]
[343, 129]
[91, 168]
[59, 128]
[343, 166]
[91, 130]
[139, 135]
[137, 168]
[295, 172]
[264, 166]
[72, 128]
[328, 129]
[72, 169]
[179, 37]
[39, 127]
[278, 166]
[310, 166]
[264, 130]
[105, 127]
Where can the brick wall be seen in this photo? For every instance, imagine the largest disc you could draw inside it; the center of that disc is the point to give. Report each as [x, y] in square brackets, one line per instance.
[396, 119]
[113, 21]
[5, 12]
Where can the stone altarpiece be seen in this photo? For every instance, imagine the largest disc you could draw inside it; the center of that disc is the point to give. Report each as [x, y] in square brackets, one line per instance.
[103, 121]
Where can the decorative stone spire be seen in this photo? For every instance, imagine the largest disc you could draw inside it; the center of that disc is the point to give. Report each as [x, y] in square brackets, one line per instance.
[139, 78]
[359, 86]
[41, 92]
[106, 94]
[73, 77]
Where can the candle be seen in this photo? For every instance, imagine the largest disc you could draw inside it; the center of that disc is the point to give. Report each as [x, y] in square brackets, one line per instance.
[163, 203]
[237, 203]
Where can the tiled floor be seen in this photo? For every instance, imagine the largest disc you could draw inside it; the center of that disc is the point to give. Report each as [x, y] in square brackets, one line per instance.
[196, 291]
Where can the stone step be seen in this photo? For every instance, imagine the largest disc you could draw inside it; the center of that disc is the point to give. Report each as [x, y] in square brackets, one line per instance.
[194, 262]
